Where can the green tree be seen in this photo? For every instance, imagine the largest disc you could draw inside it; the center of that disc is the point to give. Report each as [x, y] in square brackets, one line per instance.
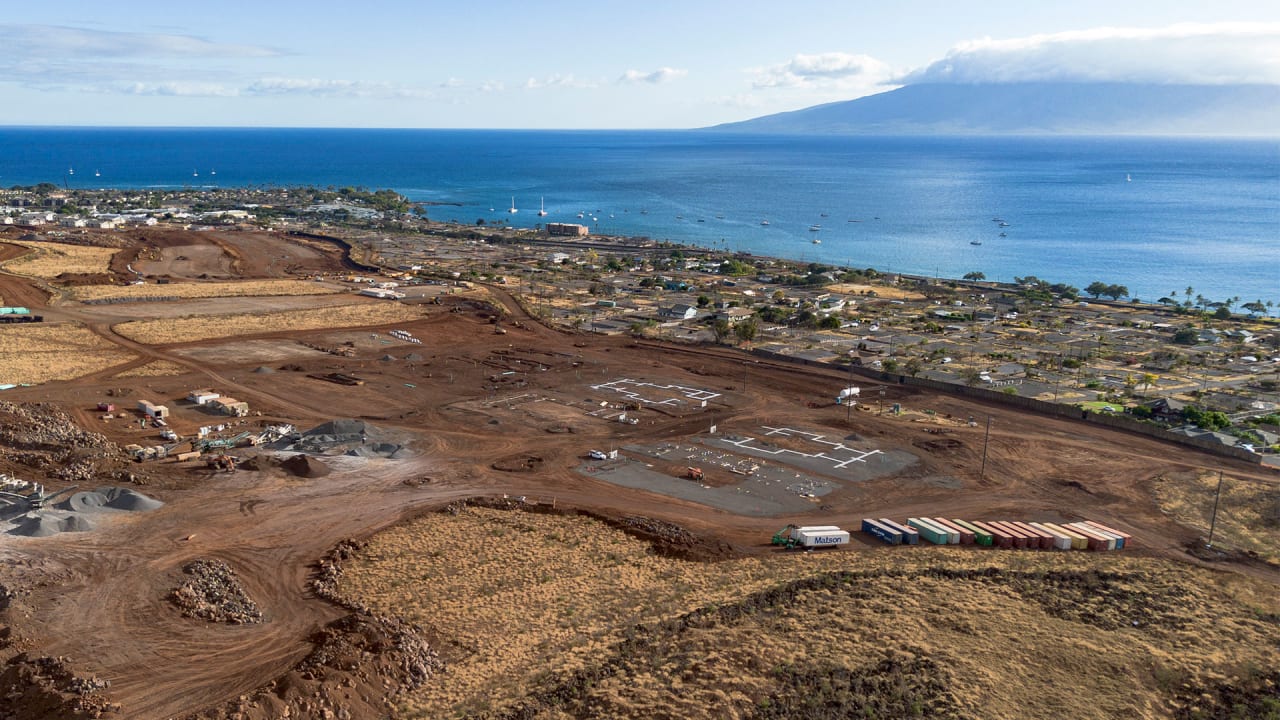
[746, 330]
[1186, 336]
[1222, 313]
[721, 329]
[703, 301]
[1115, 292]
[975, 276]
[912, 366]
[1097, 289]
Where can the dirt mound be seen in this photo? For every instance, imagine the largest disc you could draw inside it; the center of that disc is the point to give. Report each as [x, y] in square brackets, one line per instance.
[213, 592]
[260, 463]
[263, 370]
[44, 687]
[119, 498]
[360, 662]
[519, 463]
[37, 526]
[305, 466]
[88, 501]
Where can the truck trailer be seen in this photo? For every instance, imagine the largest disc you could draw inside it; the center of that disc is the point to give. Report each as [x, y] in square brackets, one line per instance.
[810, 536]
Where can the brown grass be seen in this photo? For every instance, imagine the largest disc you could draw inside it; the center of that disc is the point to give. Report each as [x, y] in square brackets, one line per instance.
[882, 291]
[41, 353]
[541, 611]
[249, 288]
[187, 329]
[52, 259]
[1248, 513]
[157, 368]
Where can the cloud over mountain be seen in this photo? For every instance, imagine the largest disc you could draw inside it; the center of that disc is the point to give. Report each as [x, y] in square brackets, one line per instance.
[823, 69]
[1187, 53]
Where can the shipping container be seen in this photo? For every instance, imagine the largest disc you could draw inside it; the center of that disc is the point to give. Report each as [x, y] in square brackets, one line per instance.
[1043, 540]
[1114, 541]
[928, 531]
[1016, 536]
[999, 538]
[876, 529]
[952, 534]
[980, 536]
[1096, 541]
[909, 534]
[1078, 541]
[1061, 541]
[1125, 537]
[965, 536]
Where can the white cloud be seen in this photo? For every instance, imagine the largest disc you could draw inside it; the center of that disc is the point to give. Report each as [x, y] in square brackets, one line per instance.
[452, 82]
[557, 81]
[491, 86]
[656, 77]
[178, 88]
[331, 88]
[59, 42]
[824, 70]
[1199, 53]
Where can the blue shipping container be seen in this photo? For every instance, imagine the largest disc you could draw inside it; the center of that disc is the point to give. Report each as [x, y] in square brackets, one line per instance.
[875, 529]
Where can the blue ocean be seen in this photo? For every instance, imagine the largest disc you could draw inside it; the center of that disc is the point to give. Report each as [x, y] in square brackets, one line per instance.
[1154, 214]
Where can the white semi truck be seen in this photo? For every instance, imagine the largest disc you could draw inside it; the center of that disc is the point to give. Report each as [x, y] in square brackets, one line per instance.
[810, 536]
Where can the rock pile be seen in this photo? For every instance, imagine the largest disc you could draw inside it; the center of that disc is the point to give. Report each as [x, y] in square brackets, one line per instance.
[213, 593]
[45, 687]
[43, 437]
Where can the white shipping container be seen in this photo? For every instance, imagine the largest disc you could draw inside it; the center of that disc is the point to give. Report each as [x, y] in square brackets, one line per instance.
[823, 538]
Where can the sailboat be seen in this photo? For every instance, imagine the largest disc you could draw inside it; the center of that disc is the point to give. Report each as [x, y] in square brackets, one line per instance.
[195, 173]
[97, 173]
[542, 207]
[71, 171]
[213, 172]
[513, 209]
[1128, 177]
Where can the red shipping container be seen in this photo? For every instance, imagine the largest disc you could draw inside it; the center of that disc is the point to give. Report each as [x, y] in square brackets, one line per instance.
[966, 537]
[999, 537]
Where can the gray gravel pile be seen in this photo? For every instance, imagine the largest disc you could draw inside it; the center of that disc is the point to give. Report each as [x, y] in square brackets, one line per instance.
[213, 592]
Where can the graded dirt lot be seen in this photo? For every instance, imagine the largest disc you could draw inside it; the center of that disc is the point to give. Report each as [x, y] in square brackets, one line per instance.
[568, 617]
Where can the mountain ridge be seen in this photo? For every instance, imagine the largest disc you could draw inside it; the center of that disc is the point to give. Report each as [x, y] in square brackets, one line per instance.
[1037, 108]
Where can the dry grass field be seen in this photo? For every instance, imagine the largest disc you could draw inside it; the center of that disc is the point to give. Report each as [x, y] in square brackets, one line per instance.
[188, 329]
[1248, 513]
[157, 368]
[248, 288]
[547, 616]
[53, 259]
[40, 353]
[884, 291]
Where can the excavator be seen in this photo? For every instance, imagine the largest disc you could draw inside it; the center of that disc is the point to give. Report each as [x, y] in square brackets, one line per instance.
[693, 473]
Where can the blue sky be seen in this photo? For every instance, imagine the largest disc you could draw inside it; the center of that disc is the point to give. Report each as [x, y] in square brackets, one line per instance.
[569, 64]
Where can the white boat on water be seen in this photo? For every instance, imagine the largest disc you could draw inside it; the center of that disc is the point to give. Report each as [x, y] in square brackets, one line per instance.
[975, 242]
[513, 209]
[542, 206]
[816, 241]
[815, 227]
[1128, 177]
[764, 222]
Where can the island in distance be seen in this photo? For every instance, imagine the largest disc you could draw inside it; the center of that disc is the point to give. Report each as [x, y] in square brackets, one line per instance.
[1036, 108]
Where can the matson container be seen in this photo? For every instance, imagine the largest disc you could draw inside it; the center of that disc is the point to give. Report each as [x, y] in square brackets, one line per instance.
[909, 534]
[1125, 537]
[875, 529]
[1078, 541]
[981, 537]
[965, 536]
[928, 531]
[1016, 535]
[1042, 539]
[1060, 539]
[999, 538]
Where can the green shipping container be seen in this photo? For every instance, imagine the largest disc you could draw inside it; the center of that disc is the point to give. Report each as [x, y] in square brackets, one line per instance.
[980, 536]
[928, 531]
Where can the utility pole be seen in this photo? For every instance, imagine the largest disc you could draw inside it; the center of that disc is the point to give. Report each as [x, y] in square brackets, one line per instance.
[1213, 523]
[982, 474]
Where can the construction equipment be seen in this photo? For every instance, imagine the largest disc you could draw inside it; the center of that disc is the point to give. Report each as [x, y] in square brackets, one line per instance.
[810, 537]
[223, 463]
[694, 473]
[38, 498]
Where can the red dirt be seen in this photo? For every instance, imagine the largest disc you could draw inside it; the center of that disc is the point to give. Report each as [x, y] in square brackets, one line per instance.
[100, 597]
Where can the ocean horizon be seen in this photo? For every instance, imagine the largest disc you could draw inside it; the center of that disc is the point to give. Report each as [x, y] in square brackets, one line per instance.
[1155, 214]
